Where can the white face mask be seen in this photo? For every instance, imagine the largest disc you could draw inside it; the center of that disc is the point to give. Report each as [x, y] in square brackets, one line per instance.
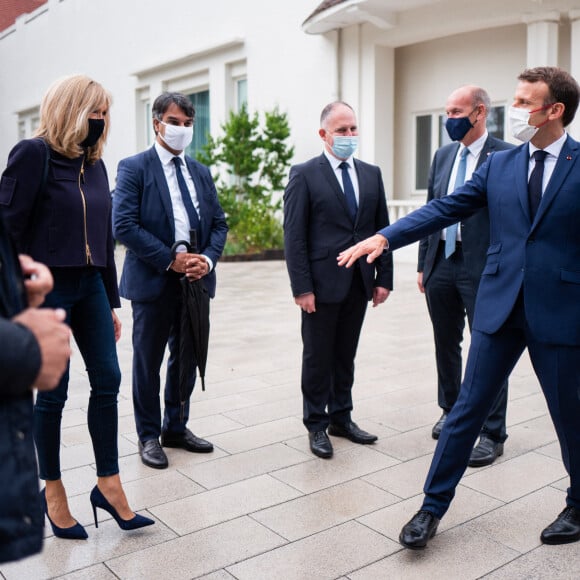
[519, 124]
[176, 138]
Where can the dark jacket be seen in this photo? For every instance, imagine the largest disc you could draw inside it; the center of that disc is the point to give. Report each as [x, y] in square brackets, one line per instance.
[474, 229]
[21, 517]
[537, 257]
[143, 221]
[317, 226]
[68, 222]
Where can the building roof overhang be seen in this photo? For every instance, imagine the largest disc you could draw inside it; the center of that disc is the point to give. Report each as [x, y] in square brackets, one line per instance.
[334, 14]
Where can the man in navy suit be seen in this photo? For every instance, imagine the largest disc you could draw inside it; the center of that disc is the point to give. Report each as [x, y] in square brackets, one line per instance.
[160, 195]
[330, 202]
[451, 261]
[529, 294]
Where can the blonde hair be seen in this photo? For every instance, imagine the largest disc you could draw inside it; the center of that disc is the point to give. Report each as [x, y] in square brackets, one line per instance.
[64, 114]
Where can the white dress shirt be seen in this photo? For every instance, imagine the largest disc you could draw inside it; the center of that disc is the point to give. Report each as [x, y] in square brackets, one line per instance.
[180, 217]
[471, 159]
[334, 163]
[553, 152]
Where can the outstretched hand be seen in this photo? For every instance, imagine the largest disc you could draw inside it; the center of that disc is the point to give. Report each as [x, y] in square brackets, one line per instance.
[373, 246]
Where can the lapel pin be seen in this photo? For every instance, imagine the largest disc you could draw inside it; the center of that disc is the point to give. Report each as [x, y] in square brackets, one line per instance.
[569, 157]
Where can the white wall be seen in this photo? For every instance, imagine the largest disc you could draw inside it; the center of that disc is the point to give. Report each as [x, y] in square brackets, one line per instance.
[111, 40]
[426, 73]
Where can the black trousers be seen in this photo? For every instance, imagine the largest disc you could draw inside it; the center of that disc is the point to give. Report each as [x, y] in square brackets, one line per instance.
[450, 293]
[330, 340]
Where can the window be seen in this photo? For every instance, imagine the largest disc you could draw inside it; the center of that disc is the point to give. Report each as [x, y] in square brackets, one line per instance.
[201, 129]
[495, 125]
[149, 122]
[422, 150]
[241, 93]
[218, 69]
[430, 134]
[496, 122]
[28, 122]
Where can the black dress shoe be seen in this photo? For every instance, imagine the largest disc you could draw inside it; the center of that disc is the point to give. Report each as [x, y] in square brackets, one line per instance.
[152, 455]
[320, 444]
[418, 530]
[485, 452]
[351, 431]
[436, 431]
[565, 529]
[186, 440]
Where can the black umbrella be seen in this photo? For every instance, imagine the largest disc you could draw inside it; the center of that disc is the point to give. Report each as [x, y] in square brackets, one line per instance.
[194, 331]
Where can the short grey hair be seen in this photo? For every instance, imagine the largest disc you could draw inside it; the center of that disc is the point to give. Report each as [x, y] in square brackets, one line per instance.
[328, 110]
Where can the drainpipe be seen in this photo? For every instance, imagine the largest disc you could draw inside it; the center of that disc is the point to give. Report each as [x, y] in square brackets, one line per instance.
[338, 66]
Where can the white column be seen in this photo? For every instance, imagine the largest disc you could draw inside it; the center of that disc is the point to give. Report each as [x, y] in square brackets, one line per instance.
[574, 128]
[542, 46]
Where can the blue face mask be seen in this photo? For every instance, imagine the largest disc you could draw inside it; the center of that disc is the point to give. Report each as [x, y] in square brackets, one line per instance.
[343, 147]
[457, 127]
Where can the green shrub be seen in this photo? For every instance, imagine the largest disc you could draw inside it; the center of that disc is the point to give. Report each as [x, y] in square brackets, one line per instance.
[251, 159]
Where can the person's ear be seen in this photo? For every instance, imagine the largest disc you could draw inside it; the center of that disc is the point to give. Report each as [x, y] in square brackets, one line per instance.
[557, 111]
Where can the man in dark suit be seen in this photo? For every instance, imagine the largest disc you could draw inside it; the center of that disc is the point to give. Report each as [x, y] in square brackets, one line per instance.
[161, 194]
[529, 294]
[330, 202]
[451, 261]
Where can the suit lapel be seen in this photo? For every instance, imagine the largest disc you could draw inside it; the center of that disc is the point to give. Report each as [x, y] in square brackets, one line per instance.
[567, 158]
[199, 192]
[522, 160]
[362, 187]
[162, 187]
[488, 148]
[332, 180]
[447, 167]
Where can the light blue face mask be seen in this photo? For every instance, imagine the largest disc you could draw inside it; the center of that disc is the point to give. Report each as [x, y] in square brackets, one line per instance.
[343, 147]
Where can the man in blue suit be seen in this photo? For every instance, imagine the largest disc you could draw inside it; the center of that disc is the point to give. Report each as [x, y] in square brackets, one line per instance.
[451, 260]
[160, 195]
[330, 202]
[529, 294]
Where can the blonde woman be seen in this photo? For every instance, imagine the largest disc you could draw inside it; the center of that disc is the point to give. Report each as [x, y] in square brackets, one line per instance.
[56, 201]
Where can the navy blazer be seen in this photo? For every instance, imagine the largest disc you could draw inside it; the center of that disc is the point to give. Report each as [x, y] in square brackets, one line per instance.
[541, 257]
[143, 221]
[317, 226]
[474, 229]
[73, 212]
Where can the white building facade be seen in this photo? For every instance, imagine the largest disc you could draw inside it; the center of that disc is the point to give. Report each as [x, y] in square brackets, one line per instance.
[394, 61]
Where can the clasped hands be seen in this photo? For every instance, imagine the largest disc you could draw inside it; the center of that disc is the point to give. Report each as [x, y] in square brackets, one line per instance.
[194, 266]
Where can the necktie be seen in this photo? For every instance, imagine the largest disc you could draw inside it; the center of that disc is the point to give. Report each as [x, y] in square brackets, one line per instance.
[348, 191]
[186, 196]
[451, 231]
[535, 183]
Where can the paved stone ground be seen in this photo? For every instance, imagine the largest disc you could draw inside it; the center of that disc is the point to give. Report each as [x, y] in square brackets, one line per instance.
[261, 506]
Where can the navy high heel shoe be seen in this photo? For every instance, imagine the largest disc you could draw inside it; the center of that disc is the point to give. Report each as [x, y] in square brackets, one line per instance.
[98, 500]
[76, 532]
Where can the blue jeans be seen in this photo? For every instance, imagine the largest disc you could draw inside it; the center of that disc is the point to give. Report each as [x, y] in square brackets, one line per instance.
[81, 293]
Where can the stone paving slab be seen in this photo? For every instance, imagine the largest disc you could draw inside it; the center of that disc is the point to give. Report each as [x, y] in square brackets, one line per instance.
[262, 506]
